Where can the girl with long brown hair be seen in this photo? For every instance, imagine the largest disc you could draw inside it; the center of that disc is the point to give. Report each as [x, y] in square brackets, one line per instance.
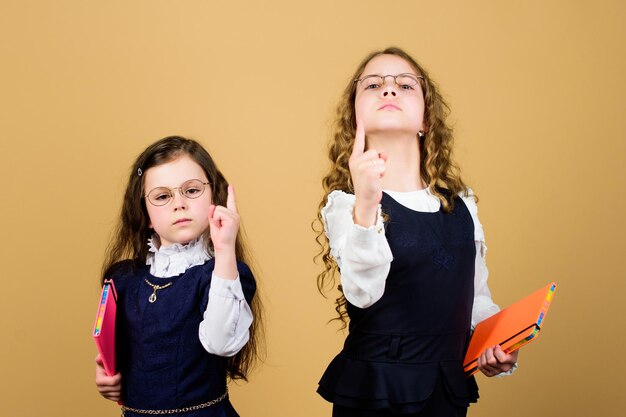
[188, 317]
[401, 228]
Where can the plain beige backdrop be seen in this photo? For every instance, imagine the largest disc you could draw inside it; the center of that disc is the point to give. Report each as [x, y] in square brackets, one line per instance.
[537, 93]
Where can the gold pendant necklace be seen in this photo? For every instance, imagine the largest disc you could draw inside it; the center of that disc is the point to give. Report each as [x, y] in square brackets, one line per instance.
[155, 288]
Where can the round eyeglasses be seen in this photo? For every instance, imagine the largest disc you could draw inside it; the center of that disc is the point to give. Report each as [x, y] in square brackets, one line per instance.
[160, 196]
[404, 81]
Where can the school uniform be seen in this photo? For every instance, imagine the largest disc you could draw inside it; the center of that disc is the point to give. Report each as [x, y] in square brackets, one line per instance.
[410, 287]
[166, 351]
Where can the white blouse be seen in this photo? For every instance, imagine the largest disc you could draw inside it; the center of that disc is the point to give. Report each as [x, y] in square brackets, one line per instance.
[225, 327]
[364, 257]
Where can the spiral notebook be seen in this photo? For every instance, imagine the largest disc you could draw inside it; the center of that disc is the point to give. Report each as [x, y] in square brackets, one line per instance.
[511, 328]
[104, 328]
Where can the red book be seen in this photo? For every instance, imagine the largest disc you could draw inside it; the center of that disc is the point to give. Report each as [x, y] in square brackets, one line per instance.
[511, 328]
[104, 328]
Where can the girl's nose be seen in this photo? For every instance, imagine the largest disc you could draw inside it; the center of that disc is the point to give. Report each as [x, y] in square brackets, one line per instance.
[178, 202]
[389, 88]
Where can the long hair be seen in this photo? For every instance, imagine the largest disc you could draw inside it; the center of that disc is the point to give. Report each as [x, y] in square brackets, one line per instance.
[129, 241]
[437, 167]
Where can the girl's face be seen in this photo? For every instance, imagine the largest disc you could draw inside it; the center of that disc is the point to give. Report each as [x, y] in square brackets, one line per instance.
[182, 219]
[389, 107]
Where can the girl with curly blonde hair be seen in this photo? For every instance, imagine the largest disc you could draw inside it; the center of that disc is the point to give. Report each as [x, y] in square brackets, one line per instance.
[401, 228]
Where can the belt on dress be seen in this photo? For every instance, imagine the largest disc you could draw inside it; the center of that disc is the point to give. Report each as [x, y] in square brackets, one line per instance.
[176, 410]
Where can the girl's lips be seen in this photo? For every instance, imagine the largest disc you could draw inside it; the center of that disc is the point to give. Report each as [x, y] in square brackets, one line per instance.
[182, 221]
[390, 106]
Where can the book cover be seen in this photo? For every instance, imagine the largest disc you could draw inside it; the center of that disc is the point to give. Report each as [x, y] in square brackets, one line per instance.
[511, 328]
[104, 328]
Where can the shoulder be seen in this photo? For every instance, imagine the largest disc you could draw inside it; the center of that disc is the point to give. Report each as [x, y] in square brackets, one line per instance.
[202, 277]
[248, 282]
[337, 213]
[124, 275]
[206, 269]
[244, 270]
[469, 199]
[122, 269]
[338, 202]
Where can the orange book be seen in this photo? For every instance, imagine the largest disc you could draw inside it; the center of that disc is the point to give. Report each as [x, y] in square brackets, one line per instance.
[511, 328]
[104, 328]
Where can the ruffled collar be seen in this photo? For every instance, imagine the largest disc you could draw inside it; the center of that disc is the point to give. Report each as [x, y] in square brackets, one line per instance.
[169, 261]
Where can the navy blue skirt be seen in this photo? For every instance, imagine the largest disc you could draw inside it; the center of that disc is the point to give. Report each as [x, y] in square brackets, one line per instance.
[439, 404]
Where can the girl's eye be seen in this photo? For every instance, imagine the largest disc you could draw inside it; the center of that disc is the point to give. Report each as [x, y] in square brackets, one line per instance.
[192, 191]
[406, 87]
[372, 82]
[161, 196]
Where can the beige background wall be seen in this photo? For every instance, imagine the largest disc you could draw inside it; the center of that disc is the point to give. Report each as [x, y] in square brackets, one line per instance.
[537, 93]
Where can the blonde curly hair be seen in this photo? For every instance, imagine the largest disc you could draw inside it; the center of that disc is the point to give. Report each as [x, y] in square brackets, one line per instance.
[437, 167]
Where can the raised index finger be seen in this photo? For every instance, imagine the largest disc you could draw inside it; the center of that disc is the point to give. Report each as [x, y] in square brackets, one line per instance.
[359, 139]
[230, 201]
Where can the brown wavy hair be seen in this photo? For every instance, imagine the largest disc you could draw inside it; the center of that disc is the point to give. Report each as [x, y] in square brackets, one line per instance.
[437, 167]
[129, 241]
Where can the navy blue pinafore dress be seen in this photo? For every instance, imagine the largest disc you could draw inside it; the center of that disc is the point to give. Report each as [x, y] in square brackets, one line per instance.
[411, 342]
[163, 364]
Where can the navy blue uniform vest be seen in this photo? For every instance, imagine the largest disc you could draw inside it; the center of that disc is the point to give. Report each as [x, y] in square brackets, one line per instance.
[162, 362]
[419, 329]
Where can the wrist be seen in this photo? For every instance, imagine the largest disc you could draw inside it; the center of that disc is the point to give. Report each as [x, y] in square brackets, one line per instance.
[225, 264]
[365, 213]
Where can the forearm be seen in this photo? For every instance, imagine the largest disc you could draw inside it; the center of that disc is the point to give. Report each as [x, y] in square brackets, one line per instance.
[362, 253]
[364, 265]
[225, 328]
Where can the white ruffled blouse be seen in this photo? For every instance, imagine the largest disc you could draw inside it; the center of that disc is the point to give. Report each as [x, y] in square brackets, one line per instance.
[226, 322]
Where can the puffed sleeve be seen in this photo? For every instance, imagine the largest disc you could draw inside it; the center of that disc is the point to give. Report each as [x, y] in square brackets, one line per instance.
[362, 254]
[484, 306]
[225, 327]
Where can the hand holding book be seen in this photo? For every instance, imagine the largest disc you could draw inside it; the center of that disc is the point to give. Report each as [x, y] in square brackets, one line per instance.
[108, 379]
[509, 330]
[493, 361]
[110, 387]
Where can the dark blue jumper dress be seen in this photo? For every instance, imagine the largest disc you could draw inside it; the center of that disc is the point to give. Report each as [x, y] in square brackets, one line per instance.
[163, 364]
[410, 344]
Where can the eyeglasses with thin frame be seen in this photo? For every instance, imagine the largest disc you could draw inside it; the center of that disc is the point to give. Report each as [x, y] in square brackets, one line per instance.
[191, 189]
[403, 81]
